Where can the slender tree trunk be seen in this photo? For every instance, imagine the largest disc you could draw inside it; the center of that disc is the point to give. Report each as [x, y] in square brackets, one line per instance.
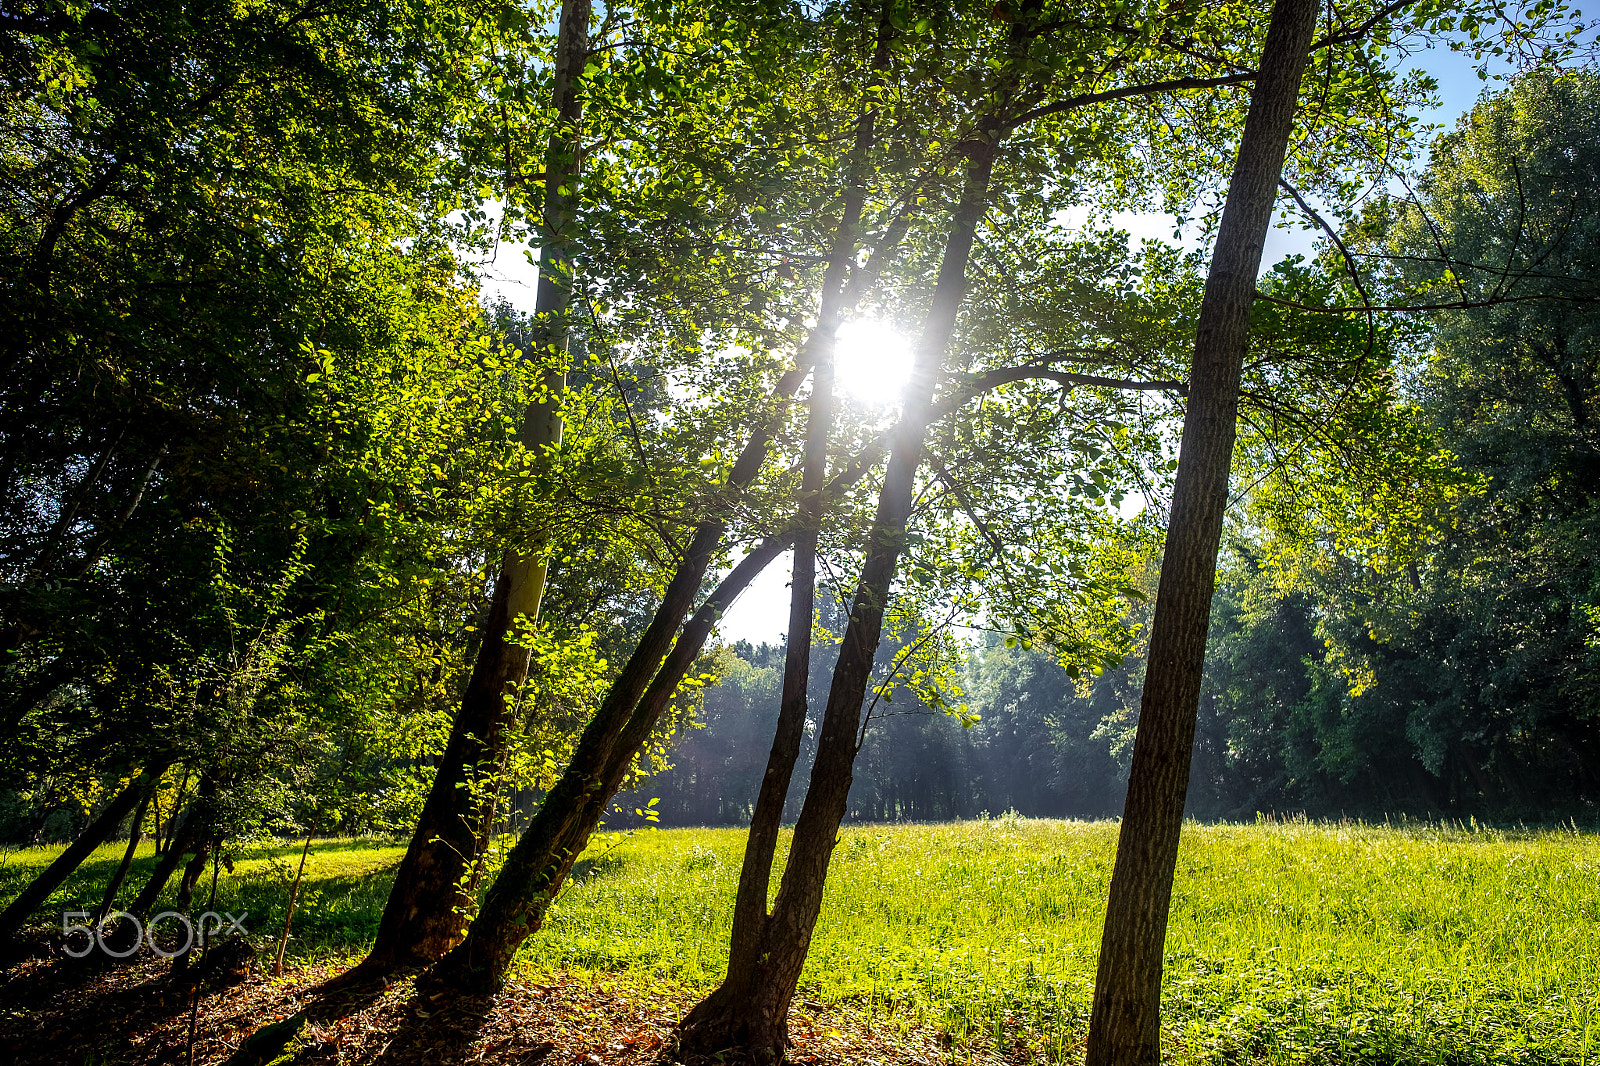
[538, 864]
[486, 818]
[155, 814]
[1125, 1021]
[115, 884]
[426, 910]
[751, 1018]
[750, 904]
[294, 896]
[97, 832]
[174, 823]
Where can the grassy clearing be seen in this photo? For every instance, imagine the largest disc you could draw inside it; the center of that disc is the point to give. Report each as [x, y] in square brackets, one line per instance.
[1289, 943]
[345, 886]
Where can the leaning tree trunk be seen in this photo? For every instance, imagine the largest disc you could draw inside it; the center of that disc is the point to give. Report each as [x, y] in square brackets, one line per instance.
[538, 864]
[1125, 1021]
[425, 913]
[97, 832]
[267, 1044]
[552, 842]
[536, 867]
[115, 884]
[755, 876]
[750, 1017]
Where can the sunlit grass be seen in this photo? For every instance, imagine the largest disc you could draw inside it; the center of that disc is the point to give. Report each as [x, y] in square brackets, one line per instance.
[1289, 942]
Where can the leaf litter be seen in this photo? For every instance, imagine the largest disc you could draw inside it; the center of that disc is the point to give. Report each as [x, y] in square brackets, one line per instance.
[58, 1011]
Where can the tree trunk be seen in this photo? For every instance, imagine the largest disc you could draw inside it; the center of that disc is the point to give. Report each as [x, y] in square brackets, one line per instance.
[538, 864]
[755, 876]
[97, 832]
[750, 1017]
[115, 884]
[1125, 1021]
[558, 833]
[425, 913]
[174, 822]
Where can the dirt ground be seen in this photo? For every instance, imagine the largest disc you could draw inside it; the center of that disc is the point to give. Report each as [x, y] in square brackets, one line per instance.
[57, 1011]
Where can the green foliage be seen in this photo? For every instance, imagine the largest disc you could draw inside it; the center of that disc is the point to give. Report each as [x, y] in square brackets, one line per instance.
[1449, 554]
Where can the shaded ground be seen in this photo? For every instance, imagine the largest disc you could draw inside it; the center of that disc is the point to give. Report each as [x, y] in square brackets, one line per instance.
[58, 1014]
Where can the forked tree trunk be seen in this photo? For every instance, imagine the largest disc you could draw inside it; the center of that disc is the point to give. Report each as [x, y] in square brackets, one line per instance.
[97, 832]
[427, 907]
[539, 864]
[1125, 1021]
[750, 1018]
[536, 867]
[755, 876]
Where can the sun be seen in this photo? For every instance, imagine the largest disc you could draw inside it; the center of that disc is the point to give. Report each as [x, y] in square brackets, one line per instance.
[872, 361]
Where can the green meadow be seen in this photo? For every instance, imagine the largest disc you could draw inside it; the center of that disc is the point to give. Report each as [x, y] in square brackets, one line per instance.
[1289, 942]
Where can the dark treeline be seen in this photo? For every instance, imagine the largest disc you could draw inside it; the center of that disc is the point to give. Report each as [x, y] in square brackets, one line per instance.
[1472, 709]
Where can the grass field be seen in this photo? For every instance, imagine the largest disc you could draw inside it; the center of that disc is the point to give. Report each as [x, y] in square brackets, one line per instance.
[1289, 942]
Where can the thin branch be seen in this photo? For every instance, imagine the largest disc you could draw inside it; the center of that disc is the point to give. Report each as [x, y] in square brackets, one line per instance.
[1172, 85]
[1355, 33]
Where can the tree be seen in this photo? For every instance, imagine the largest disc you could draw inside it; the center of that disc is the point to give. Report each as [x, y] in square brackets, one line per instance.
[424, 913]
[254, 399]
[1460, 666]
[1125, 1021]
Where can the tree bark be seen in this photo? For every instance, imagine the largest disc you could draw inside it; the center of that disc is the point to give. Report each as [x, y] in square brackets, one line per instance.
[192, 872]
[97, 832]
[750, 1017]
[426, 910]
[1125, 1021]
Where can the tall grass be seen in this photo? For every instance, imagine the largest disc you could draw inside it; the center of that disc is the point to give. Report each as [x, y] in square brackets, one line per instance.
[1289, 943]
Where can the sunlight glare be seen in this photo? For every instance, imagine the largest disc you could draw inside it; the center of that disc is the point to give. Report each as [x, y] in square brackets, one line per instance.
[872, 361]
